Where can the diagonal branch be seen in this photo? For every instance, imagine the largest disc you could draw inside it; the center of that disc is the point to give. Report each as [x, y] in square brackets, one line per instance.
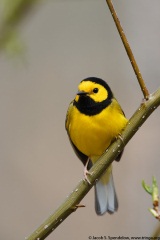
[128, 50]
[71, 203]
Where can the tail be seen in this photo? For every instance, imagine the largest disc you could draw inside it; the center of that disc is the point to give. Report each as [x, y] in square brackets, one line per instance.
[105, 197]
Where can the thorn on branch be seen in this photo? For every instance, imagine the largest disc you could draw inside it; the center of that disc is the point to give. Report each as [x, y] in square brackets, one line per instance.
[78, 206]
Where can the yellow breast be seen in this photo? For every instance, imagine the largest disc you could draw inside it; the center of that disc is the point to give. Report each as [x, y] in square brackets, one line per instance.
[93, 134]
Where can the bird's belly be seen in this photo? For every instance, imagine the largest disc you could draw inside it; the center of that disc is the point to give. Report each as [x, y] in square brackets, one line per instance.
[90, 134]
[90, 142]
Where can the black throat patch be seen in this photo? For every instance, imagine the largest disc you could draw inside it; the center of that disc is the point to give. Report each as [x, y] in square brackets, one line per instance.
[88, 106]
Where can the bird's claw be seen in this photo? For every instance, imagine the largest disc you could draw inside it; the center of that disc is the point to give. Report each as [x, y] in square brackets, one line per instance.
[85, 173]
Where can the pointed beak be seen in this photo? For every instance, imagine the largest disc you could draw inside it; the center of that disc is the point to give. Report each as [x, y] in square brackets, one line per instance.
[82, 93]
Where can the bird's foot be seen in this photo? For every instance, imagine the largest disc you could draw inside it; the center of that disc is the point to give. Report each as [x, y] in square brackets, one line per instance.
[85, 173]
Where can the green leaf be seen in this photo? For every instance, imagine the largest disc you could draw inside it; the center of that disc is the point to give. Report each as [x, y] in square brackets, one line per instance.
[154, 213]
[155, 194]
[147, 188]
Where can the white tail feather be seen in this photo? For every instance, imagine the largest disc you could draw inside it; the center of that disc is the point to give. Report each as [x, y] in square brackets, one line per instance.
[105, 197]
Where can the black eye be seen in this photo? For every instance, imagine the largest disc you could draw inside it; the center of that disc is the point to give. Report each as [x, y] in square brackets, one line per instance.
[95, 90]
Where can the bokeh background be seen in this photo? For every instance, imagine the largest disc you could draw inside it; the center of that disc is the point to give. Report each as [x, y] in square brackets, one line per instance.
[67, 41]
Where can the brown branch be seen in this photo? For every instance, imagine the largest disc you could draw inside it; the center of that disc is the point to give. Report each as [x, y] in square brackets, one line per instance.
[128, 50]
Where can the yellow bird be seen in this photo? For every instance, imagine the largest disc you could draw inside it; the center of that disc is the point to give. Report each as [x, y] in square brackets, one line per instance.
[94, 120]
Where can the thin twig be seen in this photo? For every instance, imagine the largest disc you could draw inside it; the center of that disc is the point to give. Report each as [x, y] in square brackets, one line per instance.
[70, 204]
[154, 192]
[128, 50]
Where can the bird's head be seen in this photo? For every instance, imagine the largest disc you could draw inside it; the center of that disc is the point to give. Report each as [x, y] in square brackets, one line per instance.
[93, 95]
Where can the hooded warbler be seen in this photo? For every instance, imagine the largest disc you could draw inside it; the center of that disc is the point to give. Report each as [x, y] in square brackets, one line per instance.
[94, 119]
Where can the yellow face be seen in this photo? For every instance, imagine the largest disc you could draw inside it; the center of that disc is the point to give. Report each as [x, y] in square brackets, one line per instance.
[94, 90]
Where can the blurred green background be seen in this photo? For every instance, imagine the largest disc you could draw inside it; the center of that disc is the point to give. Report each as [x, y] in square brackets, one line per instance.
[67, 41]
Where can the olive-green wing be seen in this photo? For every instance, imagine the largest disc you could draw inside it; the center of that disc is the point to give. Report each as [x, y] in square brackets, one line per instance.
[69, 111]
